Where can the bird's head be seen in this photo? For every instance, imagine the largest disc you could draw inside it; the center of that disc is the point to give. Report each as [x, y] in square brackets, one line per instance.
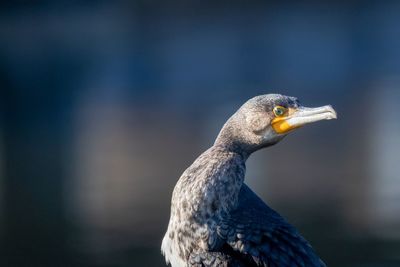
[264, 120]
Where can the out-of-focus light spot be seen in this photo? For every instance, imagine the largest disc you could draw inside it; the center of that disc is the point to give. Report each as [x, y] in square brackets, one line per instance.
[384, 160]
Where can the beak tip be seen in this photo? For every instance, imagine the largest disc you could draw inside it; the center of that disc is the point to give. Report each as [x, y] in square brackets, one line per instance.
[333, 114]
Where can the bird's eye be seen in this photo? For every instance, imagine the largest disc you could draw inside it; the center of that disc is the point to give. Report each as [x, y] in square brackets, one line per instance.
[279, 111]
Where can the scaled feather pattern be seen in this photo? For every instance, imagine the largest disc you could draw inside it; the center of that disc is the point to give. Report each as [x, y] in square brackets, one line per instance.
[216, 219]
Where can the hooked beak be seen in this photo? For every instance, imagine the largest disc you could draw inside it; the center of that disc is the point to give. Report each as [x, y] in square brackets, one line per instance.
[297, 117]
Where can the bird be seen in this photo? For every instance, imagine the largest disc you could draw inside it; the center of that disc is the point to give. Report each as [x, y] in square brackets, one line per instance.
[216, 219]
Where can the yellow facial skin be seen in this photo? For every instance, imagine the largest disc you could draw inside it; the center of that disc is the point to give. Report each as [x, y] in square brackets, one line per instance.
[287, 119]
[279, 123]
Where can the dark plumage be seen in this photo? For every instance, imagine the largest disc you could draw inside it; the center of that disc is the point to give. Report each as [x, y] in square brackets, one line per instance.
[217, 220]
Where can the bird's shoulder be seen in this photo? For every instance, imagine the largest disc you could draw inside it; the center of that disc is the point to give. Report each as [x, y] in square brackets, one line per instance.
[259, 235]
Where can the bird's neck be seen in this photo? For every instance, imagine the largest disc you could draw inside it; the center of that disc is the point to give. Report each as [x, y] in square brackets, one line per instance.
[228, 141]
[222, 185]
[211, 185]
[232, 148]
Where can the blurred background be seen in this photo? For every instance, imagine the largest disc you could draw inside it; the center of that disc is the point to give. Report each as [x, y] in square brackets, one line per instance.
[105, 103]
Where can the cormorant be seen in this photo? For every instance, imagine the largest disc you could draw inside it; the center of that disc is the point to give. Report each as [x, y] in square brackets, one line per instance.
[216, 219]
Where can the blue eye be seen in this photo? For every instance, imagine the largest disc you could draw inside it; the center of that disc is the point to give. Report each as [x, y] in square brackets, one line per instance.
[279, 111]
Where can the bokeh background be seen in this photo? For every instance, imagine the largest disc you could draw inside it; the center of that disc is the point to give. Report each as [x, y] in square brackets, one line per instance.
[105, 103]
